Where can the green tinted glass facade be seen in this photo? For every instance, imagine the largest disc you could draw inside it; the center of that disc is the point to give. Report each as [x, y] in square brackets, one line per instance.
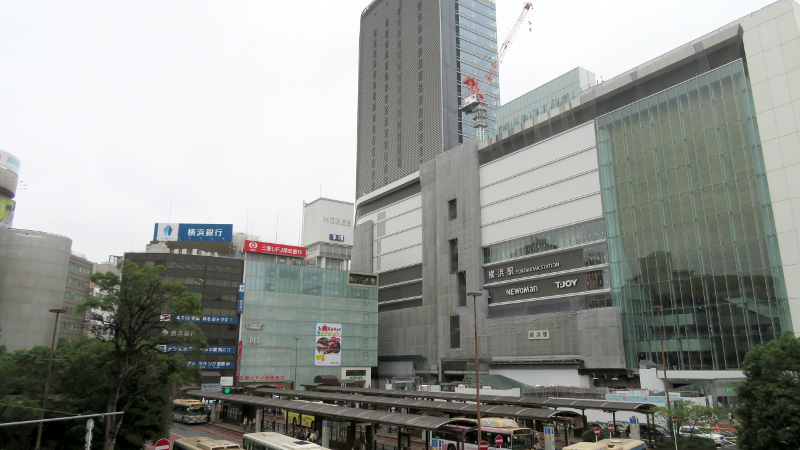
[283, 302]
[690, 226]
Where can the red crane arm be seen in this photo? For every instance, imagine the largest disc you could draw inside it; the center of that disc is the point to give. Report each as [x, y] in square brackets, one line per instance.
[507, 42]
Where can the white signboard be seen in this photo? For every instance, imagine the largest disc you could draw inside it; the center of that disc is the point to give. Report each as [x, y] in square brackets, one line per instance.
[539, 334]
[226, 381]
[328, 344]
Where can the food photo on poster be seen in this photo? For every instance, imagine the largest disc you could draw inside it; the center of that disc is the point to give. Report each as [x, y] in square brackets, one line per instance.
[328, 344]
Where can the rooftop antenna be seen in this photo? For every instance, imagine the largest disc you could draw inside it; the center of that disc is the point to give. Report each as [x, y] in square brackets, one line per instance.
[170, 212]
[247, 224]
[277, 216]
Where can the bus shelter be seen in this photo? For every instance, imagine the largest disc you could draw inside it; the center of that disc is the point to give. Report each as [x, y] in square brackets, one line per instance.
[526, 417]
[337, 425]
[532, 402]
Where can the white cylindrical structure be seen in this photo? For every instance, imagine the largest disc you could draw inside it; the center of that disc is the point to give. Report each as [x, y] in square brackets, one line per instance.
[33, 273]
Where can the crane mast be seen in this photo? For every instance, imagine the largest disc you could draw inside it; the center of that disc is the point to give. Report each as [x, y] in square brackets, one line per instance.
[475, 103]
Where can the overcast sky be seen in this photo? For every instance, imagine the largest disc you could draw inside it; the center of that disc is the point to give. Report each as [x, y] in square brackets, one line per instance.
[118, 108]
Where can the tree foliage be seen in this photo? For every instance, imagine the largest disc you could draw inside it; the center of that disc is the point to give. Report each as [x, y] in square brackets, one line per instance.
[122, 368]
[138, 311]
[769, 399]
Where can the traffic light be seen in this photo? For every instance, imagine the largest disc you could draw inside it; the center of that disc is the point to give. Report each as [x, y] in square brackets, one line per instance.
[226, 390]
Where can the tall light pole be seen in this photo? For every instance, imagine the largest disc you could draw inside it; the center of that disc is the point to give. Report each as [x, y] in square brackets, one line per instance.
[296, 340]
[475, 296]
[47, 377]
[664, 363]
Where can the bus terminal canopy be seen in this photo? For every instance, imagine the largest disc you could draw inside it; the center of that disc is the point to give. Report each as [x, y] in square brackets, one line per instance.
[428, 405]
[533, 402]
[427, 423]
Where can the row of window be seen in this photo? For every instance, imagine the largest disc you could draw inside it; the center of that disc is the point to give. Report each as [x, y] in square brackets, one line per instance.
[77, 282]
[594, 230]
[77, 298]
[79, 268]
[475, 48]
[202, 281]
[475, 37]
[478, 6]
[483, 29]
[477, 16]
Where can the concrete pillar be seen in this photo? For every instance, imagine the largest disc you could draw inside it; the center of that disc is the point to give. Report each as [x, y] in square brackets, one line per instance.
[259, 418]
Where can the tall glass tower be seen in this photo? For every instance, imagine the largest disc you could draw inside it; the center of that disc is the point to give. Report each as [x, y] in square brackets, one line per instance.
[413, 57]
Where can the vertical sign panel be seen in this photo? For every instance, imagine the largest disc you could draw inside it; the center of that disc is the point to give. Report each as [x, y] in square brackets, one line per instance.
[240, 302]
[328, 344]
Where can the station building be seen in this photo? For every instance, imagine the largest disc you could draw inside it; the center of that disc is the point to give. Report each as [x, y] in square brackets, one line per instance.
[665, 198]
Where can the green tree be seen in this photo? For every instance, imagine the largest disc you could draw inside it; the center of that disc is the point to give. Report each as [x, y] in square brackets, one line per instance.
[138, 311]
[769, 399]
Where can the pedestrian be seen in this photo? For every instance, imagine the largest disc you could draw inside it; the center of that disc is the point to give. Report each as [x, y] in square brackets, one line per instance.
[357, 443]
[244, 425]
[730, 418]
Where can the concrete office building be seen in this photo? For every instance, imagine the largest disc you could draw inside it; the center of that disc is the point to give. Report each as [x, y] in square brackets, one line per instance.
[413, 57]
[303, 311]
[328, 233]
[33, 269]
[216, 280]
[312, 320]
[670, 188]
[77, 289]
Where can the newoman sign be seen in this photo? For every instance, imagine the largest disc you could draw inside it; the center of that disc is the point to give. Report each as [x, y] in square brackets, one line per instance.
[541, 287]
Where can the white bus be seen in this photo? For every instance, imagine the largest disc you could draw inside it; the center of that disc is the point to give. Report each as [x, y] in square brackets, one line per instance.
[275, 441]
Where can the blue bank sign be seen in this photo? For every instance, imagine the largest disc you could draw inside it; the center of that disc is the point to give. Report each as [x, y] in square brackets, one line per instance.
[205, 232]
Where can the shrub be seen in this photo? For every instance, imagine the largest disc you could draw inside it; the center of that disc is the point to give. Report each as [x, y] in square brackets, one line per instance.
[588, 435]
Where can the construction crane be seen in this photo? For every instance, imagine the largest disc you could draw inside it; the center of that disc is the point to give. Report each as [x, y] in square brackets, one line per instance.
[475, 103]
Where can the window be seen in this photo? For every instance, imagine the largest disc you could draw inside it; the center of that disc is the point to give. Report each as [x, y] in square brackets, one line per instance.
[453, 255]
[462, 288]
[452, 207]
[455, 332]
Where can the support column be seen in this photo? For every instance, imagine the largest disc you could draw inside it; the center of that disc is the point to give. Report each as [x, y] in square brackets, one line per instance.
[615, 433]
[351, 434]
[259, 418]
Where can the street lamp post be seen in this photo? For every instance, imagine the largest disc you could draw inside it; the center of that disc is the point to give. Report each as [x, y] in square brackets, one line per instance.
[296, 340]
[47, 377]
[475, 296]
[664, 365]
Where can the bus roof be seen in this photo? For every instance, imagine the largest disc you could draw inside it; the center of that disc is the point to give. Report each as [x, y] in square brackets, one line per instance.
[187, 401]
[204, 443]
[269, 437]
[493, 422]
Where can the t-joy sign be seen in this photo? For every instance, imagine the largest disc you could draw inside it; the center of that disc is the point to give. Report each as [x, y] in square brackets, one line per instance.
[566, 283]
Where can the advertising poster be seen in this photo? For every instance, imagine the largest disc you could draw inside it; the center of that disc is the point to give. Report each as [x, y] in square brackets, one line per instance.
[328, 344]
[6, 212]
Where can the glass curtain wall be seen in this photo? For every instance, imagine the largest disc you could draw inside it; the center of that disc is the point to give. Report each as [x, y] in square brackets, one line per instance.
[284, 302]
[690, 226]
[476, 31]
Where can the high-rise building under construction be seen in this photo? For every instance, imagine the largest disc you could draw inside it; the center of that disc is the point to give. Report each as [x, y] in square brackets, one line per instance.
[413, 57]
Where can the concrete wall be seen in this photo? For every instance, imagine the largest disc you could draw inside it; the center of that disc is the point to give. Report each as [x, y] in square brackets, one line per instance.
[544, 375]
[548, 185]
[772, 48]
[33, 273]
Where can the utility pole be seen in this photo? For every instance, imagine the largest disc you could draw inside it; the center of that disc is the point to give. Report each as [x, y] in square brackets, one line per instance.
[475, 296]
[296, 340]
[47, 378]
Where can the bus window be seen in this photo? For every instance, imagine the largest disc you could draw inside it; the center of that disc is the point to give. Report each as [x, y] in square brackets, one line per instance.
[471, 437]
[522, 442]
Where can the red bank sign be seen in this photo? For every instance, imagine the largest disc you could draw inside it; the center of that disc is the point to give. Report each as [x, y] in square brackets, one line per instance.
[275, 249]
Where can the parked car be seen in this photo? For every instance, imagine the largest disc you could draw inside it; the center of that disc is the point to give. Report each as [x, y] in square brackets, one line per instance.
[690, 431]
[656, 431]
